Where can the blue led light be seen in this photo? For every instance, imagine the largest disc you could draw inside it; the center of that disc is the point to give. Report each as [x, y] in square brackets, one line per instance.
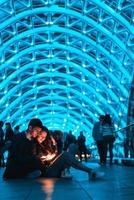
[65, 63]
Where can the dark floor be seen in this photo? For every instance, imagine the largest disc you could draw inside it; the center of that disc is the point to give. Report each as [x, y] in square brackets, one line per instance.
[118, 184]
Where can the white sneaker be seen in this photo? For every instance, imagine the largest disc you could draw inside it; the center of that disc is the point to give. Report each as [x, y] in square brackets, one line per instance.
[66, 175]
[96, 175]
[34, 174]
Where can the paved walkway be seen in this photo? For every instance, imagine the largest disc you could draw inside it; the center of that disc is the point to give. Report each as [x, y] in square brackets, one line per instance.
[118, 184]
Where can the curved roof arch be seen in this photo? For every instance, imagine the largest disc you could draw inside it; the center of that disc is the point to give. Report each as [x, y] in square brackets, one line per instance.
[79, 55]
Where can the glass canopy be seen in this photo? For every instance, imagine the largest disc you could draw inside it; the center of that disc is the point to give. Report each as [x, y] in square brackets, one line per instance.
[66, 62]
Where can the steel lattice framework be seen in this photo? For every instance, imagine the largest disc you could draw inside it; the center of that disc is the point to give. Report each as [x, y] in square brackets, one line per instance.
[66, 61]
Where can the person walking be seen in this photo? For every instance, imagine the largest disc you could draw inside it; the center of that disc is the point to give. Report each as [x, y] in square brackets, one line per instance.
[98, 137]
[82, 146]
[108, 131]
[2, 163]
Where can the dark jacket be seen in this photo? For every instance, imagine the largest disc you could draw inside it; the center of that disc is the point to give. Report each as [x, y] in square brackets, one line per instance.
[81, 141]
[22, 158]
[9, 134]
[1, 136]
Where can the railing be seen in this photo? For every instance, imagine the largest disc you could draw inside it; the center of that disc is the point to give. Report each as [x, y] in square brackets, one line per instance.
[124, 147]
[124, 128]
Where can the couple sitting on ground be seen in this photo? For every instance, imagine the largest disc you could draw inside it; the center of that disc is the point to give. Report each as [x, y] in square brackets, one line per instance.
[34, 154]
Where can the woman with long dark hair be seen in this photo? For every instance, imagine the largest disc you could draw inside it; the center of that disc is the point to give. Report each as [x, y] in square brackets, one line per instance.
[46, 147]
[55, 164]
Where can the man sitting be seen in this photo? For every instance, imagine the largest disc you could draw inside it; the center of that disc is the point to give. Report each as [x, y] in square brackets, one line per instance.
[22, 159]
